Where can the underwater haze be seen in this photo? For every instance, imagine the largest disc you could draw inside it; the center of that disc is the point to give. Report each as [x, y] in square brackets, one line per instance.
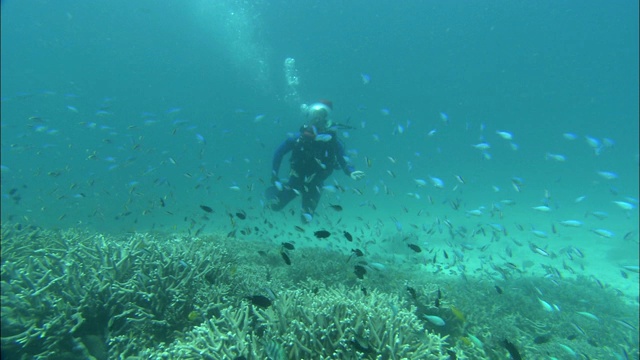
[498, 215]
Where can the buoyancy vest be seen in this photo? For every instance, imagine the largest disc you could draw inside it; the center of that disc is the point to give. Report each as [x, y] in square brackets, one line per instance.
[314, 153]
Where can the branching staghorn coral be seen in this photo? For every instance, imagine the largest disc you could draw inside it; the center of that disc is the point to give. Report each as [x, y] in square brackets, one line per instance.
[69, 294]
[335, 323]
[75, 295]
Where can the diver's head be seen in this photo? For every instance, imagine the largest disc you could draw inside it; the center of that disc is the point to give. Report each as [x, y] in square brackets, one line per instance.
[318, 114]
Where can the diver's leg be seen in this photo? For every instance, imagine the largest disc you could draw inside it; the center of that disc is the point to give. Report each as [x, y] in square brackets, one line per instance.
[279, 199]
[311, 198]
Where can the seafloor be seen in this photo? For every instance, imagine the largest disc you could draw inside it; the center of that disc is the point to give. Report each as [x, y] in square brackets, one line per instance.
[79, 295]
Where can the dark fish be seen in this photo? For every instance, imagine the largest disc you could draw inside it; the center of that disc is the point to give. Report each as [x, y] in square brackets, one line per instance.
[360, 271]
[162, 202]
[241, 215]
[206, 208]
[285, 257]
[262, 253]
[361, 348]
[260, 301]
[199, 230]
[498, 289]
[298, 228]
[578, 252]
[356, 253]
[446, 256]
[336, 207]
[288, 246]
[542, 338]
[437, 303]
[364, 290]
[511, 265]
[321, 234]
[509, 251]
[412, 292]
[348, 236]
[414, 247]
[513, 351]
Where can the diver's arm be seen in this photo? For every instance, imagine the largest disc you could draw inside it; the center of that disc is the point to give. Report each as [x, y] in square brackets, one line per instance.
[281, 151]
[347, 168]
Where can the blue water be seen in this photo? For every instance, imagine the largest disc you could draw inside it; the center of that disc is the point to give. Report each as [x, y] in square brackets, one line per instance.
[534, 70]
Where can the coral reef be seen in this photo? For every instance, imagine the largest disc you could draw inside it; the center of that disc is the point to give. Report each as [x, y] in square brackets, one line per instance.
[517, 315]
[335, 323]
[68, 294]
[77, 295]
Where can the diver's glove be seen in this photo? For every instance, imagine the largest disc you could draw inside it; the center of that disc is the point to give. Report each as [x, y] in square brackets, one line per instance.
[357, 175]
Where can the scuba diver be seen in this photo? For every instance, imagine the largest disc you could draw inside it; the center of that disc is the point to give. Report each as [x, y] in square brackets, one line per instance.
[315, 153]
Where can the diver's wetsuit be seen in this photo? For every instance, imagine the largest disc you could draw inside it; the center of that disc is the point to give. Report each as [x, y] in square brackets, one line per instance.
[313, 159]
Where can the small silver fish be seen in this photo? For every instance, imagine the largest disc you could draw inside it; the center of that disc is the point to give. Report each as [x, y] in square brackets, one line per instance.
[542, 208]
[435, 320]
[482, 146]
[624, 205]
[505, 135]
[603, 232]
[571, 223]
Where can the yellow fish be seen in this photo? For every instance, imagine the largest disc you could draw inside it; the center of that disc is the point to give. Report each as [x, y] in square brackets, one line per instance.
[466, 341]
[457, 313]
[192, 316]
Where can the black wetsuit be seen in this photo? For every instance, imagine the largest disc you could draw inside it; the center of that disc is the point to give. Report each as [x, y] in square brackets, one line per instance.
[313, 159]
